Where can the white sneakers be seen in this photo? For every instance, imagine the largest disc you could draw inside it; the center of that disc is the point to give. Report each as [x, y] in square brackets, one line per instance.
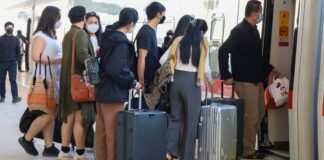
[80, 157]
[65, 156]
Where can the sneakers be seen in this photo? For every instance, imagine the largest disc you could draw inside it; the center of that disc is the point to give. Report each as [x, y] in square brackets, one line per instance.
[16, 100]
[51, 152]
[80, 157]
[28, 146]
[65, 156]
[2, 100]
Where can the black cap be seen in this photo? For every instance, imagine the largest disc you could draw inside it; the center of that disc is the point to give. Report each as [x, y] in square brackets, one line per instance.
[76, 14]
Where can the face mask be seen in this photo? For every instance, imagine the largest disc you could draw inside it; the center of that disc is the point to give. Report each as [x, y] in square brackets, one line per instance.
[260, 18]
[92, 28]
[58, 24]
[162, 20]
[9, 31]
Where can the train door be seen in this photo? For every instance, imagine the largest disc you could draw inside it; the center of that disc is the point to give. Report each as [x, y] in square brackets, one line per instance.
[217, 26]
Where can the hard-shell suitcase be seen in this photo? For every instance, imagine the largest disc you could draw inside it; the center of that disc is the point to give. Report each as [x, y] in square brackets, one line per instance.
[141, 134]
[239, 104]
[217, 132]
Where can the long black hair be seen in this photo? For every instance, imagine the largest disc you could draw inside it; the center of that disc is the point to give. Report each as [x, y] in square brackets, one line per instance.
[94, 14]
[190, 44]
[49, 17]
[181, 29]
[126, 16]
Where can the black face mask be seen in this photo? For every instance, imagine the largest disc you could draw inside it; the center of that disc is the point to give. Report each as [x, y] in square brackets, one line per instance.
[162, 20]
[9, 31]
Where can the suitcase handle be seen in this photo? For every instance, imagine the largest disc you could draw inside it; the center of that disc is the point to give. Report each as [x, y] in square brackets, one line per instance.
[222, 90]
[130, 97]
[206, 94]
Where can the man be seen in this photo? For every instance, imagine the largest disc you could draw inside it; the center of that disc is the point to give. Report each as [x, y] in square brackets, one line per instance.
[9, 53]
[249, 70]
[22, 40]
[148, 54]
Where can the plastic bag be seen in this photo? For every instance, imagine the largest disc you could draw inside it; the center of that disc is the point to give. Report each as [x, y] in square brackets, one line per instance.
[279, 91]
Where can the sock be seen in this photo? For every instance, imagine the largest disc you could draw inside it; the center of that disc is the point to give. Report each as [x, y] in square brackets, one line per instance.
[80, 151]
[26, 139]
[65, 149]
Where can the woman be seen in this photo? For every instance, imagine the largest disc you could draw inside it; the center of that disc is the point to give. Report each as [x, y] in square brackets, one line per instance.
[93, 28]
[77, 117]
[118, 63]
[181, 29]
[45, 43]
[189, 59]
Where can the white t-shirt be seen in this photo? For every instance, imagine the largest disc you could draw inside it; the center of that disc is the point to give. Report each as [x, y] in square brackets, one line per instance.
[52, 49]
[94, 41]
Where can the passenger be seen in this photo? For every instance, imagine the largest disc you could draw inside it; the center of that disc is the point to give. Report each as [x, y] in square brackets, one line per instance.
[117, 63]
[167, 40]
[10, 51]
[181, 29]
[249, 70]
[77, 117]
[94, 29]
[189, 60]
[148, 54]
[22, 40]
[45, 43]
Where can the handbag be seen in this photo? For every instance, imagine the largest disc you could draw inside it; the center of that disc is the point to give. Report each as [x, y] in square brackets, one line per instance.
[37, 96]
[80, 90]
[276, 95]
[51, 99]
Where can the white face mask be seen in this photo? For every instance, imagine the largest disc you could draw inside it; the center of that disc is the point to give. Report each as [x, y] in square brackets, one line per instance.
[58, 24]
[92, 28]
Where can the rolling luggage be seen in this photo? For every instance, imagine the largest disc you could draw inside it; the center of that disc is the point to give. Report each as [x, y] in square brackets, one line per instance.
[217, 132]
[239, 104]
[141, 134]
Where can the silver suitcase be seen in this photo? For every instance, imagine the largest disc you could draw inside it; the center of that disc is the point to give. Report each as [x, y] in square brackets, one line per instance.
[217, 132]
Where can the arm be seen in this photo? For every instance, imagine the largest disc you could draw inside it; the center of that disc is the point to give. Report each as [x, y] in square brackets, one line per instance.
[81, 47]
[38, 46]
[17, 49]
[117, 66]
[229, 46]
[142, 53]
[208, 74]
[143, 45]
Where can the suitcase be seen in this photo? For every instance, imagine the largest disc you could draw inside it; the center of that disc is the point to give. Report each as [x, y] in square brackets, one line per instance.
[217, 132]
[141, 134]
[239, 104]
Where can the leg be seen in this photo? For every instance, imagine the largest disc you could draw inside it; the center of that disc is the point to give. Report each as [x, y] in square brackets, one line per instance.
[3, 75]
[248, 92]
[37, 126]
[13, 77]
[101, 145]
[175, 121]
[262, 109]
[192, 99]
[19, 61]
[110, 120]
[78, 130]
[66, 130]
[48, 131]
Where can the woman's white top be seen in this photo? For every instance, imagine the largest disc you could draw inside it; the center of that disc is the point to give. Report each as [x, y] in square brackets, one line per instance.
[187, 67]
[52, 49]
[94, 41]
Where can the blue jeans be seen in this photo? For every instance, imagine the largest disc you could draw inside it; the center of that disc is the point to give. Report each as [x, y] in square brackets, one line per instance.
[11, 68]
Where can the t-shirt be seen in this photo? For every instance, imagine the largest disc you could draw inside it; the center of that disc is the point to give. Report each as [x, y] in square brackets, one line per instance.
[146, 39]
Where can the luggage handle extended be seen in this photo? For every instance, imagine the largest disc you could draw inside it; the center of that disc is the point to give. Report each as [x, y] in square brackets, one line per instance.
[206, 94]
[130, 97]
[222, 90]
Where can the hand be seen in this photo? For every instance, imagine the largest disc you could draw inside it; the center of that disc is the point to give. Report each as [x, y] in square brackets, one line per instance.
[57, 60]
[138, 86]
[274, 74]
[229, 81]
[210, 82]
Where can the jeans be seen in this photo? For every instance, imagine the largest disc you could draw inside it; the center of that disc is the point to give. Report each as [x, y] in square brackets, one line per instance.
[11, 68]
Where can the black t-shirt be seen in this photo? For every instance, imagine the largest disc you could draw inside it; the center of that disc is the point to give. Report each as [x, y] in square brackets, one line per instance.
[146, 39]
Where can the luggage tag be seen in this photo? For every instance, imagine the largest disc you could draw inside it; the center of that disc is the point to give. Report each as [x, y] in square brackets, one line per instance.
[130, 97]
